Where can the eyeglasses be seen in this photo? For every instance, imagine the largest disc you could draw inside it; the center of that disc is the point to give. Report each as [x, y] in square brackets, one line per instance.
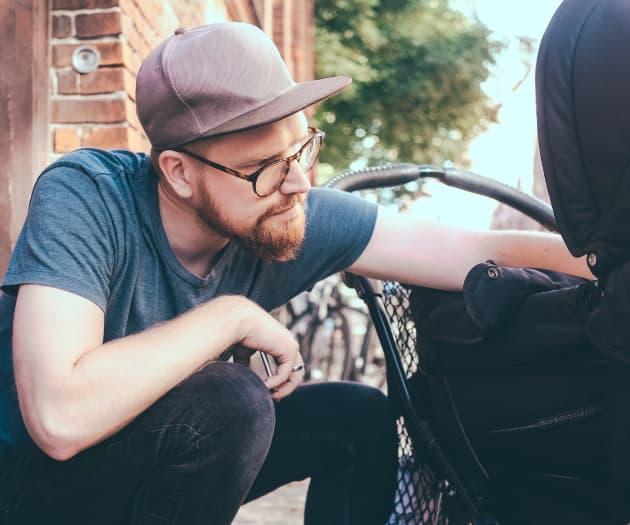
[269, 177]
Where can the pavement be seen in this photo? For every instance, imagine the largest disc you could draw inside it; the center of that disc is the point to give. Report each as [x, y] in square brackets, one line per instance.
[284, 506]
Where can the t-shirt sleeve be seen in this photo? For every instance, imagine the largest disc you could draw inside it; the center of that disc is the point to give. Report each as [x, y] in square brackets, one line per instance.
[339, 228]
[67, 240]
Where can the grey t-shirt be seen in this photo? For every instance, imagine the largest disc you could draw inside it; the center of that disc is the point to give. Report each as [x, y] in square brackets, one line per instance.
[94, 229]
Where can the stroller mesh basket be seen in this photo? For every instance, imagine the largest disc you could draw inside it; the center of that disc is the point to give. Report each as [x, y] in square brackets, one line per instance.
[418, 499]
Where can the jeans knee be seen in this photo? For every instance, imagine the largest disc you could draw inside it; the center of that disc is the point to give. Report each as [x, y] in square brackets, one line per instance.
[222, 415]
[231, 403]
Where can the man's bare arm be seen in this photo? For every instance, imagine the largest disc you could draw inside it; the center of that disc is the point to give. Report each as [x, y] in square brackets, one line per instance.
[75, 391]
[416, 251]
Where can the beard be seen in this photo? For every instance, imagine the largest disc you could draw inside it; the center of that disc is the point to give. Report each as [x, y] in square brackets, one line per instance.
[271, 238]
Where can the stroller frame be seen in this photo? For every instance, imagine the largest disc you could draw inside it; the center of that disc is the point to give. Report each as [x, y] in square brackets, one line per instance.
[443, 494]
[582, 85]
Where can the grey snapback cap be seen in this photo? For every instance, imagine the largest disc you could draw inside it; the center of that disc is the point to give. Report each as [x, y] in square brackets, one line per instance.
[216, 79]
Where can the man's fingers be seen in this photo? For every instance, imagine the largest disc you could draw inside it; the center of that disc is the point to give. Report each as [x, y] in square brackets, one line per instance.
[295, 378]
[285, 361]
[267, 335]
[284, 390]
[279, 378]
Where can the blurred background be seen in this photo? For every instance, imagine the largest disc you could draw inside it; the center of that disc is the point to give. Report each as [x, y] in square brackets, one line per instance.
[434, 82]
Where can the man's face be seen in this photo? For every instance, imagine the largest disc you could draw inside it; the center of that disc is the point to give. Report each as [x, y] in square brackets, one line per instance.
[270, 227]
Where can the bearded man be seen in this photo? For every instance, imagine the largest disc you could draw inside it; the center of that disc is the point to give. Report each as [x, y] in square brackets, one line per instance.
[135, 275]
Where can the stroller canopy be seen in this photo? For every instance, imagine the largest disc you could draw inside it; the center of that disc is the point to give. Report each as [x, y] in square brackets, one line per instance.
[583, 110]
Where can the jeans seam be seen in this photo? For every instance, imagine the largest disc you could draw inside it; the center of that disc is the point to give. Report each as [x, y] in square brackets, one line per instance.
[197, 436]
[157, 429]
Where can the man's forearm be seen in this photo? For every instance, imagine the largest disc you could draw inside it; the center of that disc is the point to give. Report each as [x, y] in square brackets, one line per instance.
[430, 253]
[535, 250]
[110, 385]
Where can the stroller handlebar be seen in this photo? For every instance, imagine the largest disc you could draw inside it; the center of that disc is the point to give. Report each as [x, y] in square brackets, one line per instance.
[391, 175]
[385, 176]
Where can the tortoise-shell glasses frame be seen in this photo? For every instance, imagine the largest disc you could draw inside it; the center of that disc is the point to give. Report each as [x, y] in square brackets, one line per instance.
[315, 141]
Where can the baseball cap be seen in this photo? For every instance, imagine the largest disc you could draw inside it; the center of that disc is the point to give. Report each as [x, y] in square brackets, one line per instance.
[216, 79]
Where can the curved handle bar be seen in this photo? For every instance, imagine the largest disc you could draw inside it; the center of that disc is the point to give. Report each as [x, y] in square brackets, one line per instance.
[391, 175]
[385, 176]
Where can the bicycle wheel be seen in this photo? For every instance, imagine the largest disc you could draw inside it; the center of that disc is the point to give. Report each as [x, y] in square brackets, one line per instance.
[328, 348]
[368, 366]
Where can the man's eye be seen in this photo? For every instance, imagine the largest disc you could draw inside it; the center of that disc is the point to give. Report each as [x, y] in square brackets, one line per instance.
[262, 163]
[251, 165]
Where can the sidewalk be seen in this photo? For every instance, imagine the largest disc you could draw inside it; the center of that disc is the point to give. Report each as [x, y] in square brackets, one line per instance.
[284, 506]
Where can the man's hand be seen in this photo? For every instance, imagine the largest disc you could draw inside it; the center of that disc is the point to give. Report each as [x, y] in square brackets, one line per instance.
[265, 334]
[242, 355]
[295, 378]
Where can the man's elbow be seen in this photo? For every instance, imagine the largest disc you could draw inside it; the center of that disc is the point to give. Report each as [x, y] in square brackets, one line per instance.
[52, 434]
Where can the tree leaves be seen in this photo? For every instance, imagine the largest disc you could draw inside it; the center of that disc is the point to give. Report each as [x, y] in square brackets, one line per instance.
[417, 69]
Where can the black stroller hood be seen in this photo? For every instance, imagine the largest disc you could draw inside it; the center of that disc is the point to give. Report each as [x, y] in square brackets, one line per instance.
[583, 110]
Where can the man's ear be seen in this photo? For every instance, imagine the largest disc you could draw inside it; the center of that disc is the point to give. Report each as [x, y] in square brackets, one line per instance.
[178, 172]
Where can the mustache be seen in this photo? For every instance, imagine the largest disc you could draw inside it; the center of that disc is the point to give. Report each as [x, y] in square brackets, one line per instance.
[289, 202]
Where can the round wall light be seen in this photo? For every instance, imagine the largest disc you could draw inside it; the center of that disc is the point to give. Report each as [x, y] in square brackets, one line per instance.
[85, 59]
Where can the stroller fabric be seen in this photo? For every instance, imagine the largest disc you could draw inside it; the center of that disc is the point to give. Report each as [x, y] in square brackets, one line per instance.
[504, 317]
[583, 104]
[510, 362]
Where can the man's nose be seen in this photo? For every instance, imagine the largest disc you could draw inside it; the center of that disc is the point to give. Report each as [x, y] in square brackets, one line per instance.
[296, 181]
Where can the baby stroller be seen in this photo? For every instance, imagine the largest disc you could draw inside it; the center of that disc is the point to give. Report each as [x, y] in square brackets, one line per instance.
[502, 390]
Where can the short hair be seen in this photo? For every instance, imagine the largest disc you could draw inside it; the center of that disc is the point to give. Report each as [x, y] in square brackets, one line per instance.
[155, 161]
[155, 154]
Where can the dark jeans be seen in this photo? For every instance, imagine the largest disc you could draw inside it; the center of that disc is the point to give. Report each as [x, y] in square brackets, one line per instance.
[212, 443]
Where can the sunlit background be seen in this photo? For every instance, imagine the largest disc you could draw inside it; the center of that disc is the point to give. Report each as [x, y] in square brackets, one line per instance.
[507, 150]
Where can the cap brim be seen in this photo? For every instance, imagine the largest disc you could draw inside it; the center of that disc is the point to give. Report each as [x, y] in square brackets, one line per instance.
[300, 96]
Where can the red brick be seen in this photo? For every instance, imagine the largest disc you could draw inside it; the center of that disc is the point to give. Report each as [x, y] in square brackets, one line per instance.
[67, 82]
[98, 24]
[131, 59]
[135, 39]
[132, 116]
[107, 138]
[103, 80]
[84, 4]
[61, 26]
[129, 81]
[130, 8]
[65, 139]
[137, 141]
[111, 53]
[157, 7]
[88, 110]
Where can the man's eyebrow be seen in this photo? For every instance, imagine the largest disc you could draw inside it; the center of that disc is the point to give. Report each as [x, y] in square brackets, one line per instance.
[255, 162]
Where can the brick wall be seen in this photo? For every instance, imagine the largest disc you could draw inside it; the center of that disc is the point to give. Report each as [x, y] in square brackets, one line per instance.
[97, 109]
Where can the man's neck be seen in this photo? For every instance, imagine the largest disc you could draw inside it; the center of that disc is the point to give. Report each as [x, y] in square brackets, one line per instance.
[193, 243]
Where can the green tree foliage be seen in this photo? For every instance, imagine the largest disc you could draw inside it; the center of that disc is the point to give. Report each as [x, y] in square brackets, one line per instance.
[417, 68]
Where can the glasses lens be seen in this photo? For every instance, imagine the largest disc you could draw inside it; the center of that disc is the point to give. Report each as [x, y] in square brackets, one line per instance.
[271, 178]
[310, 153]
